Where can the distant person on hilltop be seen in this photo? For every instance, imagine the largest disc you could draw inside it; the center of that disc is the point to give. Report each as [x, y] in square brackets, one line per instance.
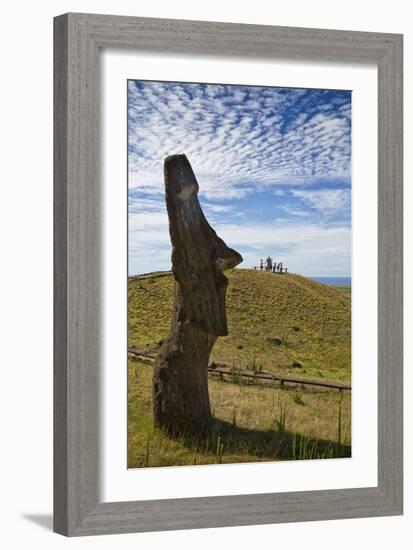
[274, 267]
[280, 267]
[262, 265]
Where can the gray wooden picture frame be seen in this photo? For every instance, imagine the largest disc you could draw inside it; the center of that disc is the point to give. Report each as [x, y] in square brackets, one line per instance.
[78, 39]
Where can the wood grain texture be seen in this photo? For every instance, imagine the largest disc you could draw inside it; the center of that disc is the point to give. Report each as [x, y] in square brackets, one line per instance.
[77, 303]
[77, 506]
[60, 485]
[390, 273]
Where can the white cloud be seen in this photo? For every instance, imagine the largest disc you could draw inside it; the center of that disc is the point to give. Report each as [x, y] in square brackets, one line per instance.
[218, 208]
[304, 247]
[236, 138]
[245, 142]
[326, 199]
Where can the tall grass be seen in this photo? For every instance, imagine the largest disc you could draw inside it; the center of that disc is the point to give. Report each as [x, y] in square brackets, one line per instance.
[148, 448]
[340, 403]
[254, 365]
[303, 448]
[251, 423]
[281, 419]
[219, 450]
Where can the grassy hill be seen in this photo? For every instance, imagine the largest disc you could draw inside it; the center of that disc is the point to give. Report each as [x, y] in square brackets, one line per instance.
[284, 324]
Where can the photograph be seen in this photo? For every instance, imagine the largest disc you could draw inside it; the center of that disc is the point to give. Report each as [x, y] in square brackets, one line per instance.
[239, 273]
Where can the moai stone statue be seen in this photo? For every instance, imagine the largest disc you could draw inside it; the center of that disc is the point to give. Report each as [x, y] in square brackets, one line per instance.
[199, 258]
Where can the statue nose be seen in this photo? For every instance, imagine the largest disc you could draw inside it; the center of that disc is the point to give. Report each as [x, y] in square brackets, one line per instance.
[228, 260]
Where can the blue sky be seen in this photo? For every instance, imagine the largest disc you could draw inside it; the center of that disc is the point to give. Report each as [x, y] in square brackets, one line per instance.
[273, 167]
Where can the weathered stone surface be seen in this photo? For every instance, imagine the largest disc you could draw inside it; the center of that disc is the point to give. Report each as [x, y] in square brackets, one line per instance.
[199, 257]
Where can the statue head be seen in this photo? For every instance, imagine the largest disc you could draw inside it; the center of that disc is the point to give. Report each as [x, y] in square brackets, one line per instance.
[199, 256]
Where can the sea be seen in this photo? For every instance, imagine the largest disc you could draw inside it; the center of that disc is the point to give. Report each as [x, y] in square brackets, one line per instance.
[334, 281]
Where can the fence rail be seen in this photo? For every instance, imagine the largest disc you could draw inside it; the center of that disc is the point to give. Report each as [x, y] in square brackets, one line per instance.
[221, 371]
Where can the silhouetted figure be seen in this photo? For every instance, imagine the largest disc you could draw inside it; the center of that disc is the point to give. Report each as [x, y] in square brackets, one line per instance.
[262, 264]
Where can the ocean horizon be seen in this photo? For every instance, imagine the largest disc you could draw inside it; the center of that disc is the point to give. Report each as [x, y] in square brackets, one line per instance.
[331, 281]
[334, 281]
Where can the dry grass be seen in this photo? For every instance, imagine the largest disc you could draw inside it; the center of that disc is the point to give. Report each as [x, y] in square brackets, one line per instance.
[251, 423]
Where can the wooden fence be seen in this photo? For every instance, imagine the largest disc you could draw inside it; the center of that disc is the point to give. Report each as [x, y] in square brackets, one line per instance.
[224, 371]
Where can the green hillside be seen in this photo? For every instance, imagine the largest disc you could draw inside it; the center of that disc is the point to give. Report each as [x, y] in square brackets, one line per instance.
[285, 324]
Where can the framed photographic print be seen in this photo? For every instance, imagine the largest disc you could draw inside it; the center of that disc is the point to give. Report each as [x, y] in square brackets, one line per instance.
[228, 274]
